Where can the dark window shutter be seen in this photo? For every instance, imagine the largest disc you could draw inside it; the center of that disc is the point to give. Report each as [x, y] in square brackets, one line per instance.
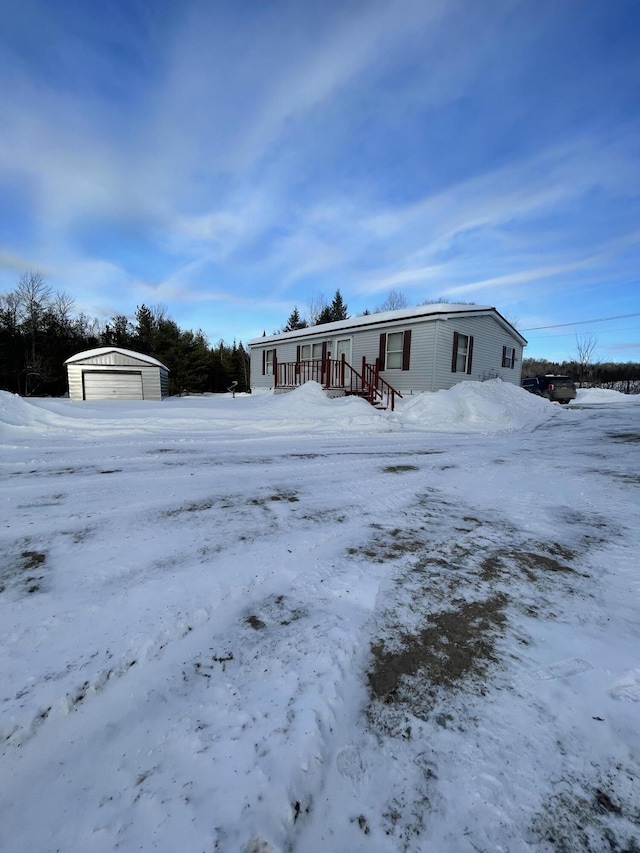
[406, 350]
[382, 353]
[504, 356]
[454, 357]
[298, 353]
[513, 357]
[264, 362]
[470, 354]
[324, 350]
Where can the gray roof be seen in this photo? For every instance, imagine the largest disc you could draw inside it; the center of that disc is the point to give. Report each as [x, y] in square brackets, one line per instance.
[439, 309]
[92, 353]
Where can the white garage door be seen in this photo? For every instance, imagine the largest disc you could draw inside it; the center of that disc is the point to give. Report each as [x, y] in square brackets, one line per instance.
[112, 385]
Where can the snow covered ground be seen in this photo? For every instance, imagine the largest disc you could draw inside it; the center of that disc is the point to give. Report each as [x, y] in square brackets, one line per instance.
[293, 624]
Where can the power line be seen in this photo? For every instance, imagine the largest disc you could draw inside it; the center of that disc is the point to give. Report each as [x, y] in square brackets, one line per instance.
[572, 334]
[581, 322]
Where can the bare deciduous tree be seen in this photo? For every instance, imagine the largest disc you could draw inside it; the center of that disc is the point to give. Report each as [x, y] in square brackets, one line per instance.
[585, 347]
[394, 301]
[34, 297]
[316, 305]
[63, 305]
[438, 300]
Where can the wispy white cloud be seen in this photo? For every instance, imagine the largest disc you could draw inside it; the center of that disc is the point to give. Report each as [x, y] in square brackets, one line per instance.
[524, 276]
[236, 155]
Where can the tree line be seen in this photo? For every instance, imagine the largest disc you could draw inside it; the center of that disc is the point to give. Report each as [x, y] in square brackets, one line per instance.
[320, 310]
[623, 377]
[39, 330]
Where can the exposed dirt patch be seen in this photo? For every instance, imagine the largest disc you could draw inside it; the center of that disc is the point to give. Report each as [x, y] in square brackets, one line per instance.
[631, 437]
[324, 516]
[287, 497]
[601, 816]
[24, 574]
[48, 500]
[32, 559]
[276, 611]
[399, 469]
[390, 545]
[456, 644]
[362, 823]
[533, 565]
[308, 456]
[180, 450]
[631, 479]
[58, 472]
[199, 506]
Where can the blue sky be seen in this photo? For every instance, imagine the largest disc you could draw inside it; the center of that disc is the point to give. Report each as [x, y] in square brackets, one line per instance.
[230, 160]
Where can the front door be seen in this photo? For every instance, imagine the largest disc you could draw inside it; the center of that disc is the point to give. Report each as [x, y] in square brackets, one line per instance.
[343, 347]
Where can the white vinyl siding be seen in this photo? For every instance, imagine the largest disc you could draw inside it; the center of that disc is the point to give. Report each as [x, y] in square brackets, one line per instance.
[489, 336]
[431, 347]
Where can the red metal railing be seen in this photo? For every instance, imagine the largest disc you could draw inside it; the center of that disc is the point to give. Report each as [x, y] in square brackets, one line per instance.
[332, 374]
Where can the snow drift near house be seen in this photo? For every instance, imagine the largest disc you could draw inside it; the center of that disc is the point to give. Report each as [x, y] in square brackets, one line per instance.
[492, 406]
[288, 624]
[604, 395]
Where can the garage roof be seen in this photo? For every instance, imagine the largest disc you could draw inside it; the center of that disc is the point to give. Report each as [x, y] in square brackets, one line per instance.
[91, 353]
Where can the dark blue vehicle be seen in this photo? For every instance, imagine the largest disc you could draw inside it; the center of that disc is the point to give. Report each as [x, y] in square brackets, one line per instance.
[558, 389]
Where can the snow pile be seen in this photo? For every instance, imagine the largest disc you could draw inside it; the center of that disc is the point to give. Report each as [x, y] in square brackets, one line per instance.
[308, 408]
[16, 412]
[493, 406]
[603, 395]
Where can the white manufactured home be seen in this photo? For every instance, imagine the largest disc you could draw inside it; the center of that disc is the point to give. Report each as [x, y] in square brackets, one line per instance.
[393, 353]
[112, 373]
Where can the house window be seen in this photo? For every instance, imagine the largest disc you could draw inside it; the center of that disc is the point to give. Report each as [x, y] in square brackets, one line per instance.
[395, 350]
[310, 352]
[268, 357]
[462, 353]
[508, 356]
[395, 343]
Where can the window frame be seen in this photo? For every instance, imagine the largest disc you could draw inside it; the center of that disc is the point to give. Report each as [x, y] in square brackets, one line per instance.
[268, 359]
[405, 351]
[467, 364]
[508, 356]
[312, 347]
[393, 357]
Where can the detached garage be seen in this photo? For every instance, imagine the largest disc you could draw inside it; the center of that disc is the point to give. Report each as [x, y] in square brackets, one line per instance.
[111, 373]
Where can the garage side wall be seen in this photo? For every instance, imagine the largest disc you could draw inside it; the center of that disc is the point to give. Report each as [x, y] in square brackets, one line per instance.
[74, 376]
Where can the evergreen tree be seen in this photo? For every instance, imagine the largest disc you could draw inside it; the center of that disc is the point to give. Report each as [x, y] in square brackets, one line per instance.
[336, 311]
[38, 332]
[338, 307]
[295, 321]
[325, 316]
[145, 329]
[240, 364]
